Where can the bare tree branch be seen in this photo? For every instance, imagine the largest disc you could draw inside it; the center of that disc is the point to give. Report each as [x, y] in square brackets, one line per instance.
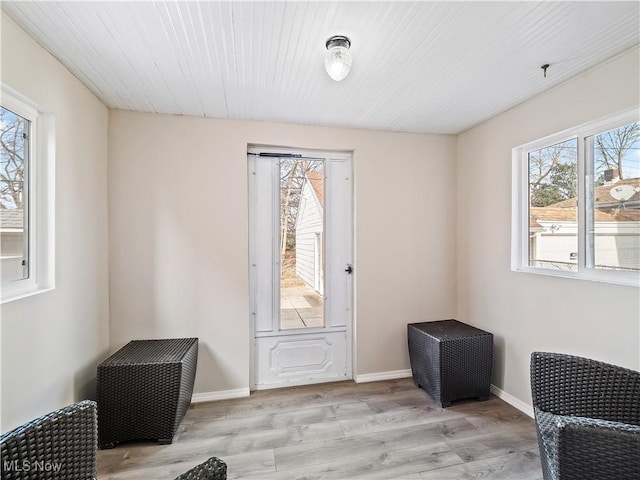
[612, 146]
[293, 175]
[11, 160]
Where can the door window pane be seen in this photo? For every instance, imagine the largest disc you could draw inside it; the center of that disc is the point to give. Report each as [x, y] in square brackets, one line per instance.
[14, 238]
[301, 243]
[614, 203]
[553, 212]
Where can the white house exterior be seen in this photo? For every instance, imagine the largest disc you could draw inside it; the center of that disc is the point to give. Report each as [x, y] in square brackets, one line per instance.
[11, 244]
[616, 231]
[310, 232]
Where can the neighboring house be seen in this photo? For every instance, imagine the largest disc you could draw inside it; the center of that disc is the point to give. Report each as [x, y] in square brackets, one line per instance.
[553, 229]
[11, 243]
[309, 232]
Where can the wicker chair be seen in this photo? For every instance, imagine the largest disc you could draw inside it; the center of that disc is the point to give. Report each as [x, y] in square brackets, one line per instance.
[63, 445]
[587, 417]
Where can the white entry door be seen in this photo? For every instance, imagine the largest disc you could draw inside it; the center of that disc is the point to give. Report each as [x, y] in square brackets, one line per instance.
[300, 238]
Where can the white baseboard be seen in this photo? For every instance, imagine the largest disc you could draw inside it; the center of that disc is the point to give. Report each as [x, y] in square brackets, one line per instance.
[365, 378]
[376, 377]
[244, 392]
[299, 383]
[221, 395]
[513, 401]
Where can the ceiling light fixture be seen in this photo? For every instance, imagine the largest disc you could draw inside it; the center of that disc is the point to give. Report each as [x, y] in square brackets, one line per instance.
[338, 59]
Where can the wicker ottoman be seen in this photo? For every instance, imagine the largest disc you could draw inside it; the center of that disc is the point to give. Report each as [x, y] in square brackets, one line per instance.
[144, 390]
[451, 360]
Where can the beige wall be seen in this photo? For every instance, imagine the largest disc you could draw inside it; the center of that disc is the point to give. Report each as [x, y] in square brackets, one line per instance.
[530, 312]
[51, 342]
[179, 237]
[177, 242]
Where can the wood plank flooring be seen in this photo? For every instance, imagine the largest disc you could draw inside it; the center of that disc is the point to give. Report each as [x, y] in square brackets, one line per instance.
[381, 430]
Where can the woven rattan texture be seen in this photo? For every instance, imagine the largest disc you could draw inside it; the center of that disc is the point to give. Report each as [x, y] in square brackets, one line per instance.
[145, 389]
[569, 385]
[139, 352]
[59, 445]
[587, 416]
[212, 469]
[450, 360]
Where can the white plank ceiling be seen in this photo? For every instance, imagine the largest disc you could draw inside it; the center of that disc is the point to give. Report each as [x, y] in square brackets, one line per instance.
[438, 67]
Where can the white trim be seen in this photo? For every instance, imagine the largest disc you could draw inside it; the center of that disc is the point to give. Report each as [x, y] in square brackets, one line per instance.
[220, 395]
[513, 401]
[41, 198]
[377, 377]
[365, 378]
[520, 203]
[300, 382]
[344, 158]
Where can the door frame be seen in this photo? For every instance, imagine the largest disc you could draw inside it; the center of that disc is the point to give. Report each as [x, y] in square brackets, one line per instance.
[335, 155]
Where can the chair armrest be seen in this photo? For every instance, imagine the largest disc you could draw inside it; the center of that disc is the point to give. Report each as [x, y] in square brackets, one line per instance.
[581, 387]
[212, 469]
[60, 444]
[579, 448]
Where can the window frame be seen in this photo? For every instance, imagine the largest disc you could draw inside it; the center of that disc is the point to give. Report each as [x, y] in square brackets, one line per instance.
[40, 209]
[520, 202]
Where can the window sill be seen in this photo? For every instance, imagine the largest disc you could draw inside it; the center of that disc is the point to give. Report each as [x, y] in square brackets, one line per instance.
[628, 279]
[22, 293]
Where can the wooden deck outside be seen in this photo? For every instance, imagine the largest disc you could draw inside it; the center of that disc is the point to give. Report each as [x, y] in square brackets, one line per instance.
[300, 307]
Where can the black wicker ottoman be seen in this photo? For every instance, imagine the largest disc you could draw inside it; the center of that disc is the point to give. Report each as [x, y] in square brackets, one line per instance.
[451, 360]
[144, 390]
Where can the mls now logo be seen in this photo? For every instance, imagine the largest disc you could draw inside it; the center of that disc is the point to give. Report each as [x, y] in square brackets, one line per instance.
[29, 466]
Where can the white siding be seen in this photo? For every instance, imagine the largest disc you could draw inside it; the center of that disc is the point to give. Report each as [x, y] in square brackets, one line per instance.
[558, 245]
[616, 243]
[309, 224]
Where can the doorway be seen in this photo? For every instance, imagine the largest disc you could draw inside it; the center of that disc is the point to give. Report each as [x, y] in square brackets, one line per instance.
[301, 241]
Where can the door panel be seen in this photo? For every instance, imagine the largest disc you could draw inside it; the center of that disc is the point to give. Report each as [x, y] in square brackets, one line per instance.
[264, 276]
[339, 243]
[299, 359]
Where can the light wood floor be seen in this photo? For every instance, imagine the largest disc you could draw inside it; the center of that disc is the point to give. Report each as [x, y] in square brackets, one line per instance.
[382, 430]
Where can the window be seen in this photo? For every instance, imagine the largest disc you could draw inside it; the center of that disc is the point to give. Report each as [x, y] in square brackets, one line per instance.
[14, 190]
[576, 202]
[26, 176]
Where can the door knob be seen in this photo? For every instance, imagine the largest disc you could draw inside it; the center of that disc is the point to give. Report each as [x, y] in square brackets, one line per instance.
[349, 269]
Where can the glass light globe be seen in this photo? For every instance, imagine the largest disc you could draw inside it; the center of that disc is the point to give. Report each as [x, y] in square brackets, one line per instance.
[338, 59]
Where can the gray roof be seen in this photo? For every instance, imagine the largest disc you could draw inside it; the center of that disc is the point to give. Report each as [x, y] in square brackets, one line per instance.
[11, 218]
